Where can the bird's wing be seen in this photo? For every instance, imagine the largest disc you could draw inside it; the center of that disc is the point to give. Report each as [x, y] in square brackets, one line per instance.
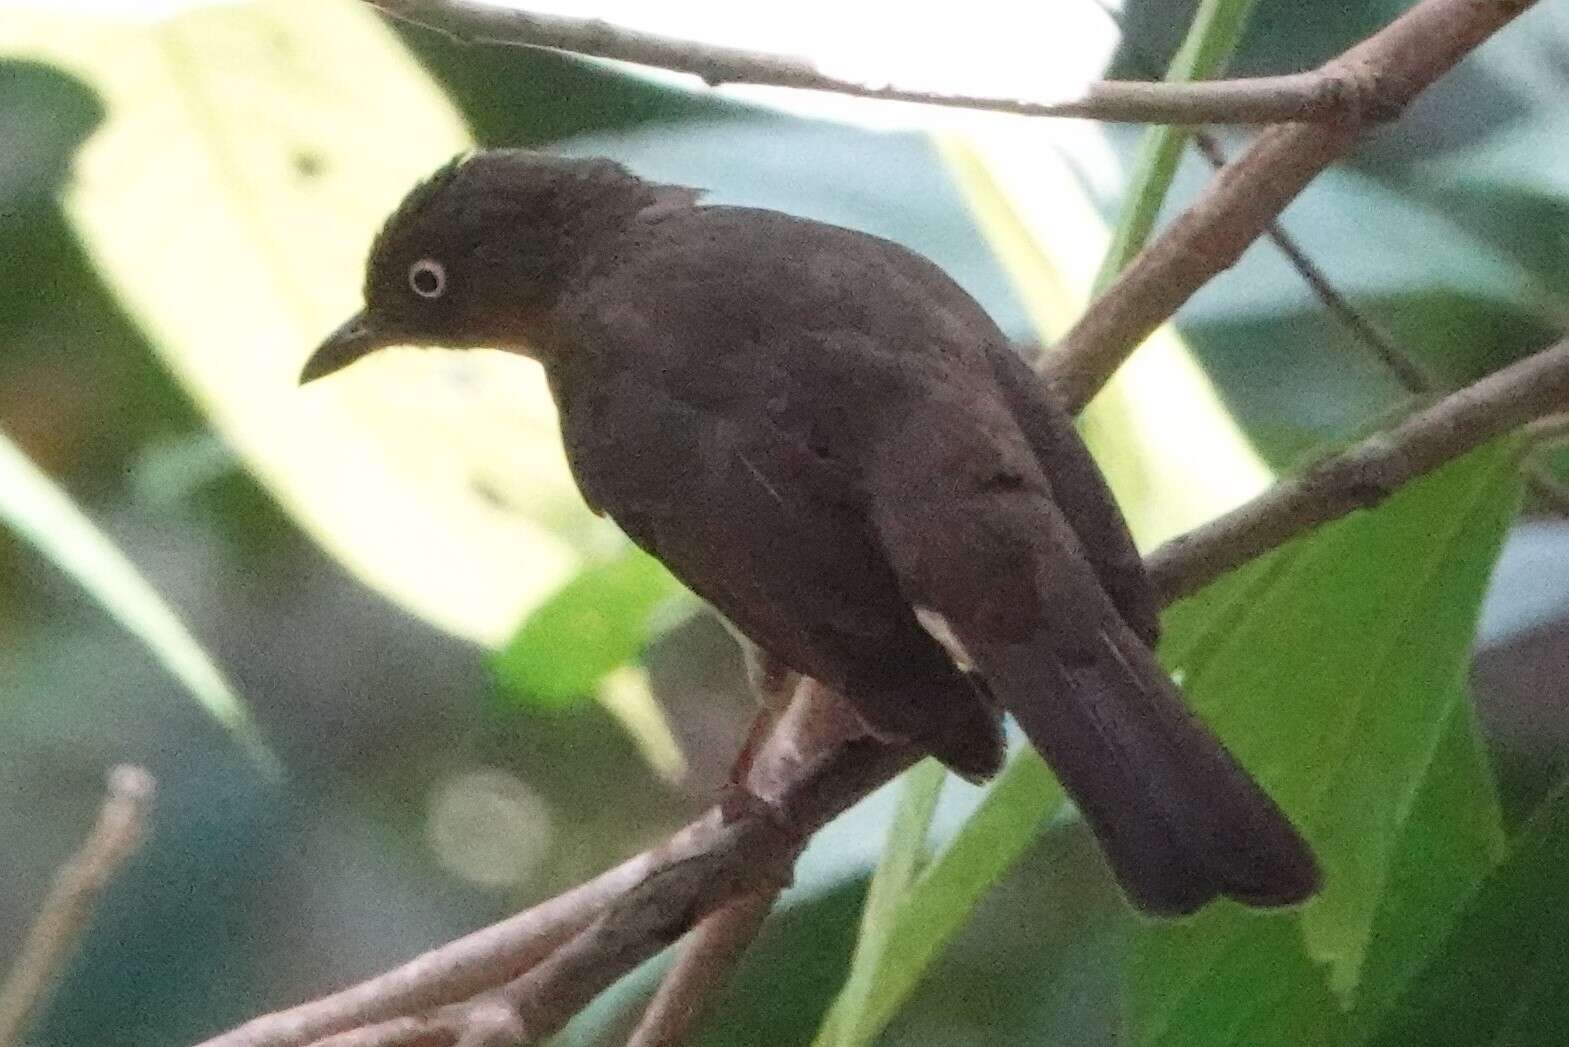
[1080, 491]
[997, 575]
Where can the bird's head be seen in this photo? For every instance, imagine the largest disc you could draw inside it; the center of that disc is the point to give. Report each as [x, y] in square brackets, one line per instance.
[477, 254]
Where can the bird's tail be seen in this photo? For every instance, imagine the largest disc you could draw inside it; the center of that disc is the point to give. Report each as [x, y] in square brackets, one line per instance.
[1179, 820]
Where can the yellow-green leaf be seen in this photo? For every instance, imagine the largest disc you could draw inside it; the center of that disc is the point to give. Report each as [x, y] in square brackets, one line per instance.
[249, 154]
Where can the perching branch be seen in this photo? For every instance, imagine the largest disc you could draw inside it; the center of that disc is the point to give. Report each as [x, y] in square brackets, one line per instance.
[461, 968]
[1367, 473]
[719, 862]
[122, 822]
[1248, 194]
[1327, 94]
[711, 952]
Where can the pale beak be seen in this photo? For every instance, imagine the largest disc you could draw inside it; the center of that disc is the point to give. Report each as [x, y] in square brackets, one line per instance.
[356, 338]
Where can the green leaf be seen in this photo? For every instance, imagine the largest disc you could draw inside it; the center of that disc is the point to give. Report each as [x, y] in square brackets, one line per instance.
[597, 622]
[937, 904]
[1447, 846]
[1336, 678]
[1230, 977]
[1500, 977]
[280, 135]
[901, 857]
[44, 515]
[1211, 38]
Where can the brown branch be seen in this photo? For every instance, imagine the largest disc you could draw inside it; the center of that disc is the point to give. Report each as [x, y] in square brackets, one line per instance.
[1324, 94]
[1394, 66]
[458, 969]
[1367, 473]
[710, 954]
[718, 862]
[815, 721]
[78, 886]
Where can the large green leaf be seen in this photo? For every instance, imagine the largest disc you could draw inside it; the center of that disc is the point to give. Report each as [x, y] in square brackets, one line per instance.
[1229, 978]
[38, 510]
[1338, 684]
[1448, 844]
[1500, 977]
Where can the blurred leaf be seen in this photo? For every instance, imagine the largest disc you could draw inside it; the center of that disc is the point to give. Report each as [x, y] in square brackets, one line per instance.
[525, 96]
[45, 117]
[596, 622]
[1212, 36]
[626, 694]
[850, 1020]
[42, 513]
[1499, 977]
[79, 389]
[937, 904]
[249, 154]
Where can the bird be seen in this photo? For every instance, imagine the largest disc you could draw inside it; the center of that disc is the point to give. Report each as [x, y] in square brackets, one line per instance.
[822, 435]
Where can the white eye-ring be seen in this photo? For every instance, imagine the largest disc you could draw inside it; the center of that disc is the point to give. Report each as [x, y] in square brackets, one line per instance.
[428, 278]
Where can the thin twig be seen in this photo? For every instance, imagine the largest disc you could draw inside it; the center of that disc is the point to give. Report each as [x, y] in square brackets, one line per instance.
[458, 969]
[1367, 473]
[1317, 95]
[78, 886]
[1395, 64]
[1402, 363]
[708, 956]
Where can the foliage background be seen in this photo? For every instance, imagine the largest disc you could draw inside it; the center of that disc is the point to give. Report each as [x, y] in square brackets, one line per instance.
[440, 770]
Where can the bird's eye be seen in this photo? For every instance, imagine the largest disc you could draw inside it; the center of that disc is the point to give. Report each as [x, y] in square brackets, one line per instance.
[428, 278]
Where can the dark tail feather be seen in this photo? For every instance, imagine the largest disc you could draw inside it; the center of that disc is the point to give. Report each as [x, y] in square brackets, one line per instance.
[1180, 821]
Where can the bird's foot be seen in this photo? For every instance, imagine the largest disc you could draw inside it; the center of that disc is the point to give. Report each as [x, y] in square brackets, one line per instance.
[737, 802]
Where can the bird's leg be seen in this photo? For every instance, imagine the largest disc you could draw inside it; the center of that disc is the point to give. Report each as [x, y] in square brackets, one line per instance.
[800, 722]
[774, 684]
[817, 723]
